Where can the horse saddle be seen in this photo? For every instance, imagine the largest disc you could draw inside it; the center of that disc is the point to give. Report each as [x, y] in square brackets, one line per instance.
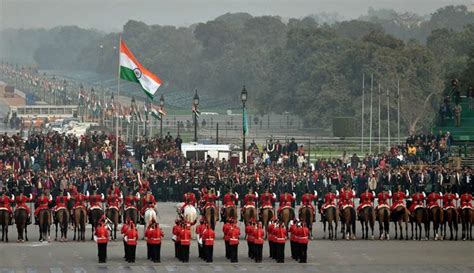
[249, 206]
[366, 205]
[130, 207]
[466, 207]
[95, 207]
[113, 207]
[418, 207]
[3, 208]
[347, 206]
[383, 206]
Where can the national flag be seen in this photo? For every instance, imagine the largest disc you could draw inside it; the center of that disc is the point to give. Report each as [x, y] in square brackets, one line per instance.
[155, 113]
[132, 70]
[162, 111]
[244, 122]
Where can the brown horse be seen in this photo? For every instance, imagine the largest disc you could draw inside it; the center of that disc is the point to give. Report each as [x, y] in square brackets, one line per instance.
[306, 214]
[467, 220]
[130, 213]
[212, 216]
[450, 219]
[383, 215]
[399, 215]
[4, 222]
[113, 214]
[21, 220]
[80, 218]
[418, 220]
[348, 220]
[44, 217]
[266, 214]
[230, 212]
[250, 212]
[330, 215]
[367, 219]
[61, 220]
[286, 215]
[435, 215]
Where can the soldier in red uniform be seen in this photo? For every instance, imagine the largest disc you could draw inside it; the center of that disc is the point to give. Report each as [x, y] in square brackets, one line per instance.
[286, 200]
[366, 199]
[20, 203]
[208, 236]
[250, 238]
[250, 200]
[302, 233]
[199, 230]
[398, 198]
[259, 235]
[234, 234]
[225, 231]
[267, 199]
[189, 199]
[418, 201]
[308, 199]
[210, 199]
[433, 199]
[131, 200]
[5, 202]
[271, 237]
[131, 240]
[185, 242]
[102, 238]
[346, 197]
[176, 231]
[95, 201]
[230, 199]
[329, 201]
[113, 200]
[280, 239]
[79, 200]
[466, 200]
[382, 199]
[61, 201]
[148, 201]
[448, 199]
[43, 203]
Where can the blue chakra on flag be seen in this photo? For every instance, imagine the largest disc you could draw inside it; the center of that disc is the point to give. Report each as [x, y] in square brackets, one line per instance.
[138, 72]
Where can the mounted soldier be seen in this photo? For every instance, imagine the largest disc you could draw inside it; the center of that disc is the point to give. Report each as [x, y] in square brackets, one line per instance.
[250, 203]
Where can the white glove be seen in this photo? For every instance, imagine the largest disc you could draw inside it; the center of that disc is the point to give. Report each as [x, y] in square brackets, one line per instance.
[121, 195]
[407, 192]
[316, 193]
[390, 193]
[218, 193]
[424, 194]
[138, 195]
[294, 195]
[87, 193]
[68, 196]
[353, 192]
[440, 194]
[31, 196]
[457, 196]
[337, 193]
[102, 195]
[13, 197]
[237, 195]
[274, 195]
[256, 194]
[373, 193]
[50, 197]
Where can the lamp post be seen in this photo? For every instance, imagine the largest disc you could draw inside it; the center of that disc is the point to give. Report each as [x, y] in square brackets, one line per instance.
[64, 92]
[162, 104]
[54, 90]
[195, 104]
[243, 97]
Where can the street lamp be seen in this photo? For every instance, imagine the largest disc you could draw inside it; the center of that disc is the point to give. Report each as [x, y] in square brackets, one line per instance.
[243, 97]
[64, 91]
[195, 105]
[162, 104]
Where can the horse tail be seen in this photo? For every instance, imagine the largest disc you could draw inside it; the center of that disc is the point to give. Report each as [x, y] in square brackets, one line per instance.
[212, 218]
[385, 214]
[251, 213]
[231, 212]
[44, 220]
[82, 219]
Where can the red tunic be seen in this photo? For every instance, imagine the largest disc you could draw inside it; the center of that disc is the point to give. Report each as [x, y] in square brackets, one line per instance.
[208, 236]
[43, 203]
[448, 200]
[398, 200]
[20, 202]
[432, 199]
[382, 199]
[148, 202]
[266, 200]
[79, 200]
[280, 235]
[61, 202]
[302, 234]
[176, 231]
[418, 200]
[154, 235]
[5, 203]
[132, 236]
[225, 230]
[366, 199]
[185, 236]
[250, 199]
[210, 200]
[95, 201]
[307, 200]
[286, 199]
[102, 234]
[249, 233]
[329, 200]
[259, 234]
[131, 201]
[234, 233]
[345, 198]
[113, 200]
[229, 200]
[466, 201]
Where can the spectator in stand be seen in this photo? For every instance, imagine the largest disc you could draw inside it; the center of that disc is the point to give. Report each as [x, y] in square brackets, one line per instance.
[470, 97]
[457, 115]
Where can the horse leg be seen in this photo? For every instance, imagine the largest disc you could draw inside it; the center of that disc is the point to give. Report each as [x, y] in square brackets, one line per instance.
[396, 230]
[451, 230]
[56, 237]
[456, 229]
[74, 238]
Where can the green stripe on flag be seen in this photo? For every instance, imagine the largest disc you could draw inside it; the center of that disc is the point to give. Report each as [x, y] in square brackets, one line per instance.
[128, 75]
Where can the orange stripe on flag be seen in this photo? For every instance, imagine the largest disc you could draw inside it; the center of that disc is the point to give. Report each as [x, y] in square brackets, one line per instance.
[124, 49]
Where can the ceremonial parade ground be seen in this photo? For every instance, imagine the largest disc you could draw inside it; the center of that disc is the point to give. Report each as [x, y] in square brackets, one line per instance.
[323, 255]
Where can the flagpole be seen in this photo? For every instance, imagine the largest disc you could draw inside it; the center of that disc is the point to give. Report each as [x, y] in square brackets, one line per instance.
[117, 123]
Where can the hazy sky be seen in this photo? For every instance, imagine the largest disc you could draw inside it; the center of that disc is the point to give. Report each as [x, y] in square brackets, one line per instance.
[112, 14]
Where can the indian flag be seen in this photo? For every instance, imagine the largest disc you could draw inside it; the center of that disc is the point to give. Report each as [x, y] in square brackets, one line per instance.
[132, 70]
[155, 113]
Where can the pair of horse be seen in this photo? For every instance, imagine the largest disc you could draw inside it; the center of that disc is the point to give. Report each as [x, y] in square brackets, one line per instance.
[331, 217]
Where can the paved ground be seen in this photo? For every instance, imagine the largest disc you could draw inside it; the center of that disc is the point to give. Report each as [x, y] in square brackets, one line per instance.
[324, 256]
